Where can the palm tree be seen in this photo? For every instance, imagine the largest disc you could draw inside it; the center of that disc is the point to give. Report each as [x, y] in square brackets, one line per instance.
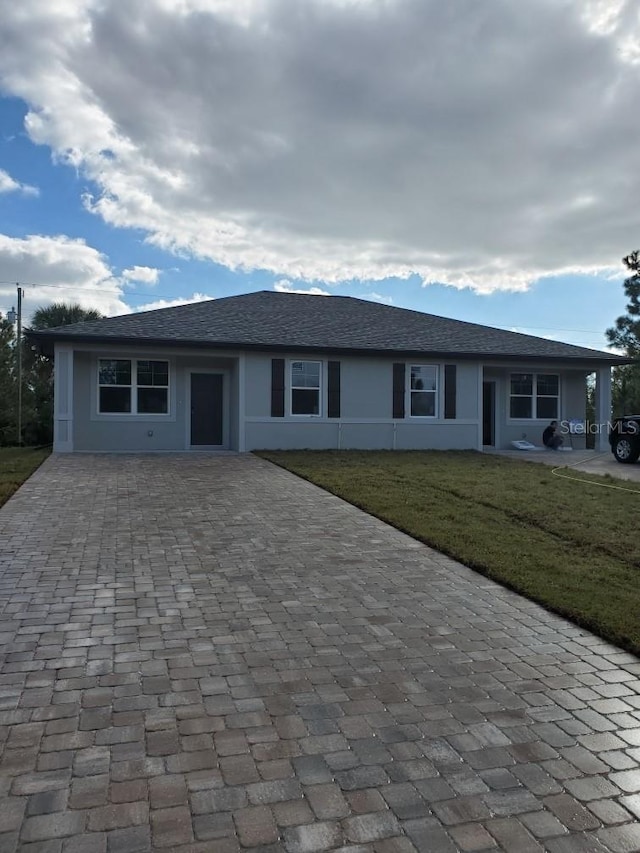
[62, 314]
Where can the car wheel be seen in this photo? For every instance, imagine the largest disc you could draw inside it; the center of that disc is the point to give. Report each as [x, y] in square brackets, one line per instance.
[626, 451]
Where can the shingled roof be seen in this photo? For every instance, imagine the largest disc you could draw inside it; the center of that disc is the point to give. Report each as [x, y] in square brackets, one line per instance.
[289, 321]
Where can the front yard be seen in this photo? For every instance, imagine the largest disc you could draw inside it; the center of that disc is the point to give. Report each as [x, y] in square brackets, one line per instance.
[572, 546]
[16, 465]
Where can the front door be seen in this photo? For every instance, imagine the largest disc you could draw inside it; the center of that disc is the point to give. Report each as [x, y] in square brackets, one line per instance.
[206, 409]
[488, 413]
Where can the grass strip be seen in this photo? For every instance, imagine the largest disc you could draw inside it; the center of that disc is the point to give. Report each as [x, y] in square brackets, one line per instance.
[17, 464]
[565, 544]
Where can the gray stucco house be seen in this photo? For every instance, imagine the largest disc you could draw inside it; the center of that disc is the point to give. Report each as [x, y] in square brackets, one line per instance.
[279, 370]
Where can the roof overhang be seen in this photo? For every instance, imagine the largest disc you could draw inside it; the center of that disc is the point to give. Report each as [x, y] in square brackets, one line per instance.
[45, 340]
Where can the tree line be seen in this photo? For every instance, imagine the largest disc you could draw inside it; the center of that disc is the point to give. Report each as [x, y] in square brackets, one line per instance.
[37, 368]
[37, 376]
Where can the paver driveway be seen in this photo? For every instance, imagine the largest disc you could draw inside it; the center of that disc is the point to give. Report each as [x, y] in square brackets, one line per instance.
[205, 653]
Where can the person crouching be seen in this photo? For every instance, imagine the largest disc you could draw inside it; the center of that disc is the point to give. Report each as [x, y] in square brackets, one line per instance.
[551, 438]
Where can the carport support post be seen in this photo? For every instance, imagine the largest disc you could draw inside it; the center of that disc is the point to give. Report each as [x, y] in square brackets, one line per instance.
[63, 399]
[603, 407]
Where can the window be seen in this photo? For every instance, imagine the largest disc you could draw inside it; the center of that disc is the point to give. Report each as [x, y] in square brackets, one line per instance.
[534, 395]
[521, 395]
[305, 387]
[153, 387]
[133, 386]
[547, 392]
[114, 380]
[423, 390]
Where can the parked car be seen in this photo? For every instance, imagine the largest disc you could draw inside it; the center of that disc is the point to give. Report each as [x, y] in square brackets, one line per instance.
[624, 438]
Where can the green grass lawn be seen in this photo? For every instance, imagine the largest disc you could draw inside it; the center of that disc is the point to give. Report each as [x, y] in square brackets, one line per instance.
[16, 465]
[572, 546]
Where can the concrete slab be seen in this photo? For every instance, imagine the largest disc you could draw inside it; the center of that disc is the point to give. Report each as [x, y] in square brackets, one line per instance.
[588, 461]
[206, 653]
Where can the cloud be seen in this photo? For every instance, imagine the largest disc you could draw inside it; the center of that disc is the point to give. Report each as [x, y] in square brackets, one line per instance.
[378, 297]
[144, 275]
[285, 286]
[478, 144]
[171, 303]
[60, 269]
[57, 269]
[10, 185]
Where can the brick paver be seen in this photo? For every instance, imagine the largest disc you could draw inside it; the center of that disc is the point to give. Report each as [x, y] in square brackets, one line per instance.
[205, 653]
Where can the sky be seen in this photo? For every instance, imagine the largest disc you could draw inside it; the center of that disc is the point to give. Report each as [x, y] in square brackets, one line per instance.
[472, 160]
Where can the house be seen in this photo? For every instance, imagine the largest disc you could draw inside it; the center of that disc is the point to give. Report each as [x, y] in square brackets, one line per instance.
[281, 370]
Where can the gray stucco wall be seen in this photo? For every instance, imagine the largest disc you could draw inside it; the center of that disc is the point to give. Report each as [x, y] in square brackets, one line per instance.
[146, 433]
[366, 407]
[366, 410]
[366, 386]
[334, 435]
[468, 384]
[258, 385]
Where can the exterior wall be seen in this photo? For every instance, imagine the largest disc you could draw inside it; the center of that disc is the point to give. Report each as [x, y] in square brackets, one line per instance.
[257, 385]
[344, 435]
[469, 392]
[147, 433]
[278, 435]
[232, 406]
[572, 405]
[367, 388]
[366, 410]
[366, 405]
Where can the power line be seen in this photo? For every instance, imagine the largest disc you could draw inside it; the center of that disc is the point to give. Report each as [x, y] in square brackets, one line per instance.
[81, 290]
[66, 287]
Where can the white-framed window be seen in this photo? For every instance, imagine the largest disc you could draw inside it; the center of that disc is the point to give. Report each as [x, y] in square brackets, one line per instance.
[306, 387]
[423, 390]
[133, 386]
[534, 395]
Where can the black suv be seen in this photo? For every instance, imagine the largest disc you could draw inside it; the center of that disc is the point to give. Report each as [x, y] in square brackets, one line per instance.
[624, 438]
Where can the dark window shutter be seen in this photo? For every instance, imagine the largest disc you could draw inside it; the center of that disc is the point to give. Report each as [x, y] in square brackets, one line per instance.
[398, 390]
[449, 390]
[277, 387]
[333, 389]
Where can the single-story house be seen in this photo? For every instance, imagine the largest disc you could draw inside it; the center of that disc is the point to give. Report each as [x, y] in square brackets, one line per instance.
[282, 370]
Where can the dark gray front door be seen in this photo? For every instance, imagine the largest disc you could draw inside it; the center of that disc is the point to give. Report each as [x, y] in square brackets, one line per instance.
[206, 408]
[488, 413]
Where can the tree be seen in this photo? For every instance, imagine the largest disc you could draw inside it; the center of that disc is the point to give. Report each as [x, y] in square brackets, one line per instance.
[62, 314]
[625, 390]
[38, 370]
[626, 336]
[8, 385]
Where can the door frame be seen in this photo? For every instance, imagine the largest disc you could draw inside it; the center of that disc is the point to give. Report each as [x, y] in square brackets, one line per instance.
[225, 408]
[492, 383]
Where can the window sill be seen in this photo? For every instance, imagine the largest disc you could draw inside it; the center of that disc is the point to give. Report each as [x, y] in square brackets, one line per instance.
[126, 417]
[531, 420]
